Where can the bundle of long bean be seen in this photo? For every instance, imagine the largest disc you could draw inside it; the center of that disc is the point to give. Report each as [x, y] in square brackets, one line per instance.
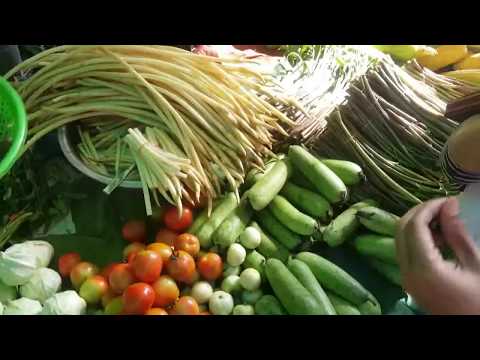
[191, 120]
[318, 80]
[394, 125]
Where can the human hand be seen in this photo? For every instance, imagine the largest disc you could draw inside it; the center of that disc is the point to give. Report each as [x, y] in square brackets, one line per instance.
[439, 286]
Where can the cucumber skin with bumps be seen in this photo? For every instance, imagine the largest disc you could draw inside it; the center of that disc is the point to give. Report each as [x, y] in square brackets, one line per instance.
[290, 217]
[344, 226]
[292, 294]
[303, 273]
[334, 278]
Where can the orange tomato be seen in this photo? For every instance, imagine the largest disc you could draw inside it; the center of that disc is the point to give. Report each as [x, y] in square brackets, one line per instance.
[120, 278]
[193, 278]
[188, 243]
[165, 251]
[166, 291]
[186, 305]
[181, 266]
[156, 311]
[210, 266]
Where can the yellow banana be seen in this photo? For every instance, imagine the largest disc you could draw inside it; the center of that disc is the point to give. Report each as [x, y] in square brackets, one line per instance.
[470, 62]
[446, 55]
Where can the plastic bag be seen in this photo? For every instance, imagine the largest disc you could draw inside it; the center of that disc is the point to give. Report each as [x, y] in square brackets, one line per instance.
[19, 262]
[22, 306]
[65, 303]
[42, 285]
[7, 293]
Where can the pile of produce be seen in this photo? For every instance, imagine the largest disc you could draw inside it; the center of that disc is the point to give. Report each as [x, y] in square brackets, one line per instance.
[247, 258]
[253, 173]
[394, 126]
[186, 123]
[461, 62]
[29, 287]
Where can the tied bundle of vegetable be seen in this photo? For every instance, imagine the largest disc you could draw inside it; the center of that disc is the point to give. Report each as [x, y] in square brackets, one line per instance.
[318, 76]
[190, 121]
[394, 126]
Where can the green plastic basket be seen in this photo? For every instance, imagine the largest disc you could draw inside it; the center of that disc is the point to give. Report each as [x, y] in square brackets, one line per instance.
[13, 126]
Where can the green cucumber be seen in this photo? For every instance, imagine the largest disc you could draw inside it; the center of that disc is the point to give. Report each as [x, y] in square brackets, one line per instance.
[303, 273]
[263, 191]
[257, 261]
[289, 216]
[342, 306]
[231, 228]
[335, 279]
[344, 226]
[278, 230]
[325, 180]
[269, 247]
[370, 307]
[378, 220]
[308, 201]
[255, 174]
[289, 290]
[350, 173]
[269, 305]
[226, 206]
[376, 246]
[298, 179]
[390, 272]
[201, 219]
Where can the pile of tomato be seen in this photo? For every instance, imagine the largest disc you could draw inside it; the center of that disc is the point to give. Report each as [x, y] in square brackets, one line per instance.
[151, 277]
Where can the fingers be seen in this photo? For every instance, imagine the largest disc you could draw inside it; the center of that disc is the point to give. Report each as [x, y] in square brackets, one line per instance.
[416, 240]
[401, 250]
[457, 237]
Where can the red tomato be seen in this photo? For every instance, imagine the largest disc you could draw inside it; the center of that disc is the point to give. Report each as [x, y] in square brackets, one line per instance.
[166, 236]
[188, 243]
[135, 231]
[138, 299]
[156, 311]
[147, 266]
[210, 266]
[67, 262]
[107, 270]
[181, 266]
[186, 305]
[165, 251]
[121, 278]
[81, 272]
[132, 248]
[176, 223]
[166, 291]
